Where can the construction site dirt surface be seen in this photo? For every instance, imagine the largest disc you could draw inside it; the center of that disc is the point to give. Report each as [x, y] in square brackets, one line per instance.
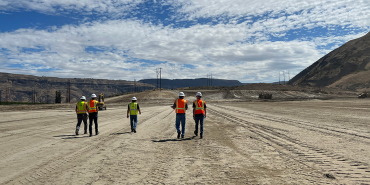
[321, 140]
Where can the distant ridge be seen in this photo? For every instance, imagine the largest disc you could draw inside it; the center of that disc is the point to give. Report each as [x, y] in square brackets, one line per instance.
[180, 83]
[346, 67]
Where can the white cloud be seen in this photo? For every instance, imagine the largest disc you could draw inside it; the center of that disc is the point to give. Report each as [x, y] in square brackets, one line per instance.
[229, 49]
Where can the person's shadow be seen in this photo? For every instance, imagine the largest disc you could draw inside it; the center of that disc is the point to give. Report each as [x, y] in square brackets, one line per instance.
[120, 133]
[169, 140]
[72, 136]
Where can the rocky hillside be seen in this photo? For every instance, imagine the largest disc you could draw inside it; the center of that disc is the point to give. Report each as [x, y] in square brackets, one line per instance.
[347, 67]
[180, 83]
[22, 86]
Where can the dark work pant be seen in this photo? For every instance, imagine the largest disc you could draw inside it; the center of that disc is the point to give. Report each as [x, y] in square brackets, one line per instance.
[80, 118]
[93, 117]
[133, 121]
[197, 120]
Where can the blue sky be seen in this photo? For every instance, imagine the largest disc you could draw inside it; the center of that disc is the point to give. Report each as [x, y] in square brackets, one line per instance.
[249, 41]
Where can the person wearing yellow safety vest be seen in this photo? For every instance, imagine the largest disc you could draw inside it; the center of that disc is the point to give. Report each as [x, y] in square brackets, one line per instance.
[180, 106]
[81, 110]
[93, 114]
[133, 109]
[199, 113]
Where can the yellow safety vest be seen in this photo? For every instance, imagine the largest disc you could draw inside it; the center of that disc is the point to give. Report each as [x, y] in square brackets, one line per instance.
[81, 107]
[133, 108]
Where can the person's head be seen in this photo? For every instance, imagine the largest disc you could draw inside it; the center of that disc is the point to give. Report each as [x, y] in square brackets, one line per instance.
[93, 96]
[83, 98]
[181, 95]
[133, 99]
[199, 95]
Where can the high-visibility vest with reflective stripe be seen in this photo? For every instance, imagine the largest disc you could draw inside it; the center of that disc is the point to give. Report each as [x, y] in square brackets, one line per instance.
[81, 107]
[133, 108]
[93, 106]
[199, 106]
[180, 105]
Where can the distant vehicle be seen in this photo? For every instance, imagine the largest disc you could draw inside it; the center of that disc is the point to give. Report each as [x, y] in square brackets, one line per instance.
[265, 96]
[101, 104]
[362, 95]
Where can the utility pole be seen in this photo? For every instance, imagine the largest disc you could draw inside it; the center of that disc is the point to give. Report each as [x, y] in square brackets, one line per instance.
[279, 77]
[157, 73]
[211, 79]
[134, 85]
[7, 95]
[288, 76]
[284, 76]
[160, 79]
[69, 91]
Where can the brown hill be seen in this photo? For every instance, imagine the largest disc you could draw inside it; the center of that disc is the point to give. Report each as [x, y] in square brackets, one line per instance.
[21, 87]
[347, 67]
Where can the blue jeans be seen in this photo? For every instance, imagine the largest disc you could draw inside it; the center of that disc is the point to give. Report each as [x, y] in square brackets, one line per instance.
[197, 120]
[180, 118]
[133, 121]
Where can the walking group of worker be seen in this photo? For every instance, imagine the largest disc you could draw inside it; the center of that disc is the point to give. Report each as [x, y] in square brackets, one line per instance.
[180, 106]
[87, 109]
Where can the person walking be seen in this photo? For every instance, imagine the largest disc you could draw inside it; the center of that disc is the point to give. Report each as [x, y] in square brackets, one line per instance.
[199, 113]
[180, 106]
[93, 114]
[81, 111]
[133, 109]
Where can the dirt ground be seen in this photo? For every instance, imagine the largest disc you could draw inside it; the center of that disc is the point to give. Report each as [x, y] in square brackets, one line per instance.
[254, 142]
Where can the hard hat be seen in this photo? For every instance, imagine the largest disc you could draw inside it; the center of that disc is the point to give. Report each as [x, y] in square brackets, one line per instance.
[199, 94]
[181, 94]
[83, 98]
[134, 98]
[93, 96]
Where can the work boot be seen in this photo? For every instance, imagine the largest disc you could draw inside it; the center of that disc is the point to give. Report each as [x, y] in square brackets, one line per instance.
[96, 133]
[195, 133]
[134, 130]
[90, 134]
[178, 135]
[76, 132]
[201, 136]
[182, 137]
[85, 132]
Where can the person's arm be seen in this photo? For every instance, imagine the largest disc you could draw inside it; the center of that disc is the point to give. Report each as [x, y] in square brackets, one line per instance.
[186, 105]
[128, 110]
[76, 109]
[138, 108]
[205, 110]
[87, 108]
[97, 108]
[174, 105]
[193, 110]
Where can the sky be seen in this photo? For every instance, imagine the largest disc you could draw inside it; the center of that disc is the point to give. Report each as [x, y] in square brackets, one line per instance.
[247, 40]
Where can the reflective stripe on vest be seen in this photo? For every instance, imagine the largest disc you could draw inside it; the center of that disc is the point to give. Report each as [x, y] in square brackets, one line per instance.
[92, 105]
[199, 106]
[180, 108]
[133, 108]
[81, 107]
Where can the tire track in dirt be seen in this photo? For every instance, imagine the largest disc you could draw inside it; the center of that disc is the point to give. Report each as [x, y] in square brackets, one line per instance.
[59, 162]
[326, 129]
[347, 169]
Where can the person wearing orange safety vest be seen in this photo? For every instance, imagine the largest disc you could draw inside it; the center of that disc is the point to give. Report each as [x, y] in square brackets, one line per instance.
[199, 113]
[180, 106]
[81, 111]
[93, 114]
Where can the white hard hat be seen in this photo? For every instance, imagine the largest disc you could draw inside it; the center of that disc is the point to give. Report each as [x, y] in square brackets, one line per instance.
[93, 96]
[83, 98]
[134, 98]
[199, 94]
[181, 94]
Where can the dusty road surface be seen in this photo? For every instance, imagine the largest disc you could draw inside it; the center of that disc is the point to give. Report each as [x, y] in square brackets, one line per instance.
[302, 142]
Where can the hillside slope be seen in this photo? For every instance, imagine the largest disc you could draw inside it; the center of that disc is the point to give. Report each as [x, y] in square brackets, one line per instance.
[350, 59]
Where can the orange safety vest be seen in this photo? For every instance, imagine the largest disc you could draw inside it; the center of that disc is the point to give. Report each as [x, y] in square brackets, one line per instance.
[199, 106]
[93, 106]
[180, 105]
